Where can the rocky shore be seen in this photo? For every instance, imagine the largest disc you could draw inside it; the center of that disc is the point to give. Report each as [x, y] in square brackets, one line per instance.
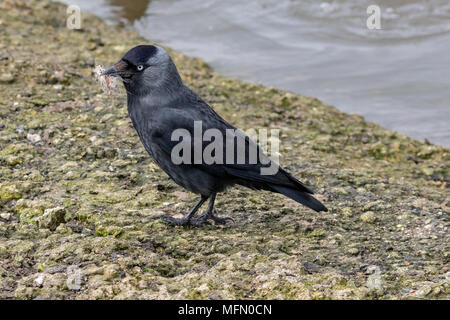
[79, 196]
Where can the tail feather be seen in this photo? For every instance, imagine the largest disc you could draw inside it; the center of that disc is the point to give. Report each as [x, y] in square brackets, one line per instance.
[282, 182]
[300, 196]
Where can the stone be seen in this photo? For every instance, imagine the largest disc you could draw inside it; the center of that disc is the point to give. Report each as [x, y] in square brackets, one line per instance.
[7, 78]
[34, 137]
[369, 217]
[424, 291]
[111, 271]
[39, 280]
[5, 215]
[52, 218]
[311, 267]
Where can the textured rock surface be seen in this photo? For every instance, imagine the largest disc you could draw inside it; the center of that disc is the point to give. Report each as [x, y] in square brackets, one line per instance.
[51, 218]
[64, 143]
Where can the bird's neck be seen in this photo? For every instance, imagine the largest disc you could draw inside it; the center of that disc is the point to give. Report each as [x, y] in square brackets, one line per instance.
[157, 99]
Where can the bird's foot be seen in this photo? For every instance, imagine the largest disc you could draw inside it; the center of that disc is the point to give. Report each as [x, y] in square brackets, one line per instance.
[199, 221]
[184, 221]
[203, 219]
[223, 220]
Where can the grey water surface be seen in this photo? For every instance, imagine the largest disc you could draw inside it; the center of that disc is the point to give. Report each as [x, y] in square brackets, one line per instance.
[397, 76]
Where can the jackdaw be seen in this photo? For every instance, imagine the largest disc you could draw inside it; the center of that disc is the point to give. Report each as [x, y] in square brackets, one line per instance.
[159, 104]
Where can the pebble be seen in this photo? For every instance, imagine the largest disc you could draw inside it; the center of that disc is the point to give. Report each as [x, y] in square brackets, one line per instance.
[5, 215]
[369, 217]
[20, 129]
[34, 138]
[39, 280]
[7, 78]
[311, 267]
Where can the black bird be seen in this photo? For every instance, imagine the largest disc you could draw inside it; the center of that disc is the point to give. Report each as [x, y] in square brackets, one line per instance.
[159, 103]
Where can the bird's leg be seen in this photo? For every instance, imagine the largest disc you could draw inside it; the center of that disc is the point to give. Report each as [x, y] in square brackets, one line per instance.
[209, 214]
[187, 218]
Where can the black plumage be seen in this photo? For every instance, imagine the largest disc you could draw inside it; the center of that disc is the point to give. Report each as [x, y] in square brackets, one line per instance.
[159, 103]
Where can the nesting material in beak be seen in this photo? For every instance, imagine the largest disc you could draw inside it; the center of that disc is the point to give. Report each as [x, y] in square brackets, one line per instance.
[105, 77]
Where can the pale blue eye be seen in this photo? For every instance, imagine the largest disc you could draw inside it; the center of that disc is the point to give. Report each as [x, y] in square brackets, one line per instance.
[140, 67]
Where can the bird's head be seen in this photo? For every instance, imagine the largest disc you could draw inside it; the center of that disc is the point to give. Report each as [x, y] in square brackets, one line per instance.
[144, 69]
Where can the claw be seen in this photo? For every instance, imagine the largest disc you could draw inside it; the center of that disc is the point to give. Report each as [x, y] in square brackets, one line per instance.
[222, 220]
[200, 221]
[174, 221]
[203, 219]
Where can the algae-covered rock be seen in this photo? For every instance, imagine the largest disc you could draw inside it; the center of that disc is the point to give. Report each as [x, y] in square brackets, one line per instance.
[369, 217]
[52, 218]
[9, 192]
[80, 197]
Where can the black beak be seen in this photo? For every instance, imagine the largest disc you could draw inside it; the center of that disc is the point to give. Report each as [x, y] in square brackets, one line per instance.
[111, 71]
[116, 70]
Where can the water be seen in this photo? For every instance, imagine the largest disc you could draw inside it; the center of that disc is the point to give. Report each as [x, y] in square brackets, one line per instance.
[398, 76]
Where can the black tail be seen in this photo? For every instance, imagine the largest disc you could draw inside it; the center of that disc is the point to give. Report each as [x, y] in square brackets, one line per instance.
[300, 196]
[282, 182]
